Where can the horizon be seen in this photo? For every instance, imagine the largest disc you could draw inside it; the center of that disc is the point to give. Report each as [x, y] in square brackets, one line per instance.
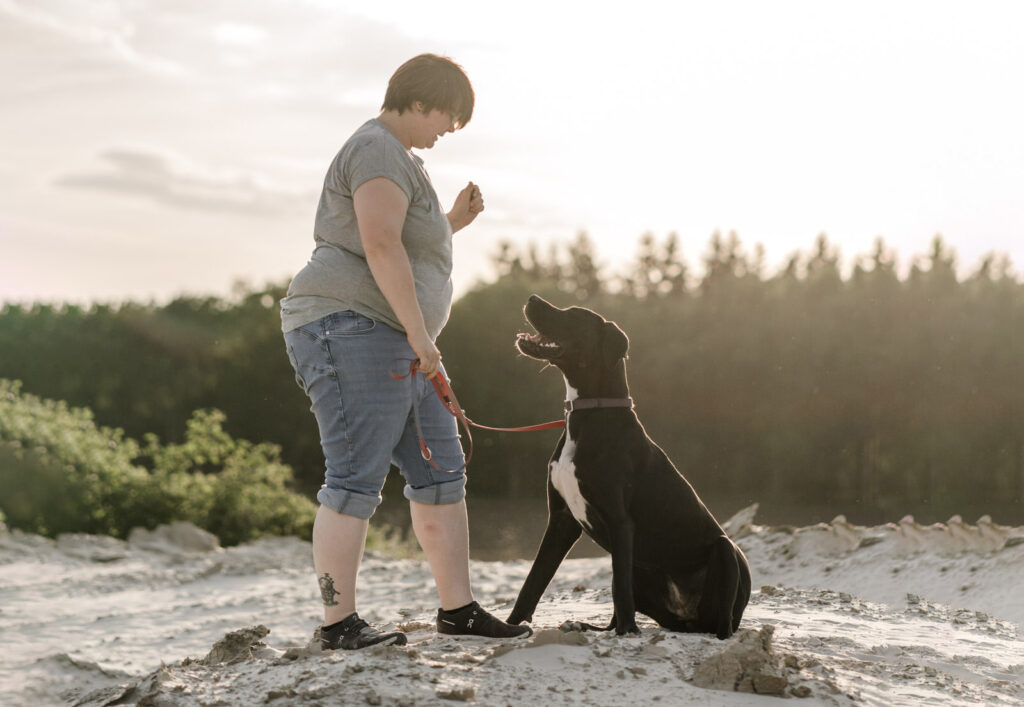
[611, 276]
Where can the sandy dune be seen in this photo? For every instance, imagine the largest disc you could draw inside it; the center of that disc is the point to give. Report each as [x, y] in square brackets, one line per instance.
[894, 614]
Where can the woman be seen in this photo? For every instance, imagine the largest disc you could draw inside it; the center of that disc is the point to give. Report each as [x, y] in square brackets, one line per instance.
[373, 298]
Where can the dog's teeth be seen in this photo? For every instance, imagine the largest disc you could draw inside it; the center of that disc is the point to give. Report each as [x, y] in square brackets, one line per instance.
[537, 340]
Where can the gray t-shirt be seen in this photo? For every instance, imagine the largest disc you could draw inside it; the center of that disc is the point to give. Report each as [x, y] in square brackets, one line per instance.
[337, 276]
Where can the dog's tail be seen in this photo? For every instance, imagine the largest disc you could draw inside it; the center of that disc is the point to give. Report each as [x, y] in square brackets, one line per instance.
[721, 588]
[591, 627]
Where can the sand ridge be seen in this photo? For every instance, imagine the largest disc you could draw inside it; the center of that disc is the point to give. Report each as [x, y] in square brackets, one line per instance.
[840, 614]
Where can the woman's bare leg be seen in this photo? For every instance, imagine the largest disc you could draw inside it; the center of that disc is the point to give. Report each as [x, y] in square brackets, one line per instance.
[443, 533]
[338, 542]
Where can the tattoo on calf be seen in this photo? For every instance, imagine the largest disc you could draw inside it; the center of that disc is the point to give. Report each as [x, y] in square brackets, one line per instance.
[327, 590]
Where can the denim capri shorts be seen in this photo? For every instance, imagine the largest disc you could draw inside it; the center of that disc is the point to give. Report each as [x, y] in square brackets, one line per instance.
[344, 362]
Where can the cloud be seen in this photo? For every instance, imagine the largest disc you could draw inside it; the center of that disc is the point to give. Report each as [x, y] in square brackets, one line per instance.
[317, 50]
[174, 182]
[101, 26]
[234, 33]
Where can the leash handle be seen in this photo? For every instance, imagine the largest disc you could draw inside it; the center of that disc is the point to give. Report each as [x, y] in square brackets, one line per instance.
[447, 397]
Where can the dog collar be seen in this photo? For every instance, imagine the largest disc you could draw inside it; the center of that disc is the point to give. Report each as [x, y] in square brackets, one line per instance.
[587, 403]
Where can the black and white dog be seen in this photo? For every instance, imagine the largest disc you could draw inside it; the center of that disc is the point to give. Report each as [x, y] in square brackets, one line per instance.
[670, 559]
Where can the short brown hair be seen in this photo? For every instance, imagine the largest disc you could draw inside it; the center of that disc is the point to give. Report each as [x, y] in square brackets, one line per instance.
[436, 82]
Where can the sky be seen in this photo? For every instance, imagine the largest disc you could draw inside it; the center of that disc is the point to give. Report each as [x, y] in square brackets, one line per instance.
[151, 149]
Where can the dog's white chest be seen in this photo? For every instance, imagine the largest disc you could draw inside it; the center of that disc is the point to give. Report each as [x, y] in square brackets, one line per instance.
[563, 473]
[563, 478]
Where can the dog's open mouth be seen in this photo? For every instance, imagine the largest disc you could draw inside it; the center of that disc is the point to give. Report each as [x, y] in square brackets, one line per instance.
[538, 346]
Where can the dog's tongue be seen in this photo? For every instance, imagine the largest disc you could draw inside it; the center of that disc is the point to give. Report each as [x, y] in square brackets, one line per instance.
[533, 338]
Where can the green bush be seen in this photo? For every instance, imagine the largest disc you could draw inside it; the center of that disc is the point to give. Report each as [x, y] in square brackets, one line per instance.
[60, 472]
[241, 488]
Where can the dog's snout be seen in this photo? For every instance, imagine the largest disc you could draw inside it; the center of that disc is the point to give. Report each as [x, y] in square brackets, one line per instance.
[534, 305]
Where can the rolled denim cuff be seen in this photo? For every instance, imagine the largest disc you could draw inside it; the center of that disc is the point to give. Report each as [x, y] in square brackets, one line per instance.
[348, 502]
[439, 494]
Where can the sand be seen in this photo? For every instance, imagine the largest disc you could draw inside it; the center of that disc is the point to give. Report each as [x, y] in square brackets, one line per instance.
[896, 614]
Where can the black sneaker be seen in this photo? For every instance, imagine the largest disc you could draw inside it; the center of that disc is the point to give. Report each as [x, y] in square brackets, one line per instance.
[352, 633]
[473, 620]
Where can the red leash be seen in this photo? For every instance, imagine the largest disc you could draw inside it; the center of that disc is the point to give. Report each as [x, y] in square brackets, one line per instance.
[447, 396]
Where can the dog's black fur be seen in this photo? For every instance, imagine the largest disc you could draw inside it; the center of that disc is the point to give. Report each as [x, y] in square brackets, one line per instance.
[670, 559]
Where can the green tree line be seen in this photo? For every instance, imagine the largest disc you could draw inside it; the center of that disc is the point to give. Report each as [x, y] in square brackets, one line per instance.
[871, 389]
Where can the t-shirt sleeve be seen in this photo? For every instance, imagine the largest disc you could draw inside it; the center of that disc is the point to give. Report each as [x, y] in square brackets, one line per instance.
[374, 158]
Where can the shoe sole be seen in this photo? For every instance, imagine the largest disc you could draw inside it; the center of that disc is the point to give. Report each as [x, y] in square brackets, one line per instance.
[386, 642]
[486, 638]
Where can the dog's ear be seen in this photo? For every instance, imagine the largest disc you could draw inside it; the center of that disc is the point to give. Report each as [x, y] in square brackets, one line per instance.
[614, 344]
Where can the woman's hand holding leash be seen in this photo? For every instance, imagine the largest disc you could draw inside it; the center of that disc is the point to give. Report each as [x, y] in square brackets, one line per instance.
[428, 354]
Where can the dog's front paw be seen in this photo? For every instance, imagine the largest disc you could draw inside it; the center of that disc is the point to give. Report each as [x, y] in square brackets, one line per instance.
[631, 629]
